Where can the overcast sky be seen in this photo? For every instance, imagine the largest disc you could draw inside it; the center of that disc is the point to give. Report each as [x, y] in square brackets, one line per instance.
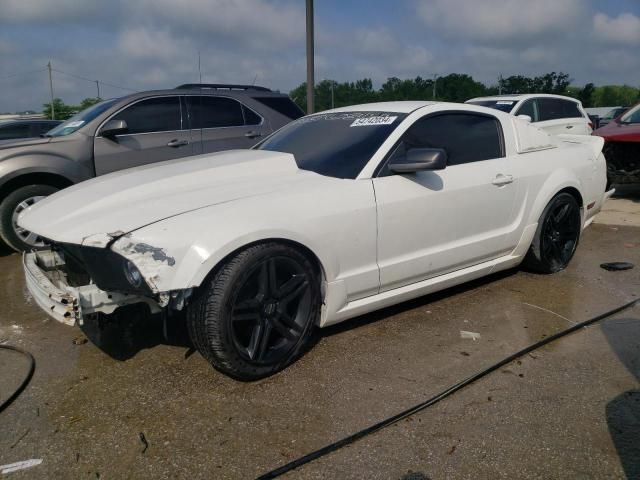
[147, 44]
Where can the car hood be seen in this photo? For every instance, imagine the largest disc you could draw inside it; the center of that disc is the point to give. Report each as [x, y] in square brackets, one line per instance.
[619, 132]
[97, 211]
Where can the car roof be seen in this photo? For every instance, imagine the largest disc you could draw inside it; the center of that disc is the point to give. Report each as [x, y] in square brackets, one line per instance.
[405, 106]
[522, 96]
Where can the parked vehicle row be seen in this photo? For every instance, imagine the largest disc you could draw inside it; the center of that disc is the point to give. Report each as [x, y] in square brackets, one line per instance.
[334, 215]
[130, 131]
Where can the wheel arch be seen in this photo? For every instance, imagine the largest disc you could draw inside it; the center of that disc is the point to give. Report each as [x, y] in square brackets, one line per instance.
[562, 182]
[22, 179]
[308, 252]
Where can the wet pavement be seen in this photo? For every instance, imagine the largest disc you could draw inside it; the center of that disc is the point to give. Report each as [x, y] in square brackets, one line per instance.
[569, 410]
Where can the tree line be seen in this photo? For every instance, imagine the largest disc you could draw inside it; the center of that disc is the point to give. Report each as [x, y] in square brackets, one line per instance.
[455, 87]
[458, 87]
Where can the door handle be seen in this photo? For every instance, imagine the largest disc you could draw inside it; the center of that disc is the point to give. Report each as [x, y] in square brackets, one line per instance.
[175, 143]
[252, 134]
[502, 179]
[569, 126]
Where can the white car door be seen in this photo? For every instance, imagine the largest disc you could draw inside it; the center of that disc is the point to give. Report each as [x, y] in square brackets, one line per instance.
[434, 222]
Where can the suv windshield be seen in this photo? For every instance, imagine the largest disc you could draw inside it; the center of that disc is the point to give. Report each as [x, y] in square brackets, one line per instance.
[632, 116]
[80, 119]
[334, 144]
[502, 105]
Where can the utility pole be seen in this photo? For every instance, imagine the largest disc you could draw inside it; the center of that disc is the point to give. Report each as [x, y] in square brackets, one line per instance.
[98, 87]
[332, 102]
[53, 110]
[500, 84]
[435, 80]
[310, 68]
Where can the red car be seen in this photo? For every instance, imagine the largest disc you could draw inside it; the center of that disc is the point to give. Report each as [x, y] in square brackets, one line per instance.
[622, 147]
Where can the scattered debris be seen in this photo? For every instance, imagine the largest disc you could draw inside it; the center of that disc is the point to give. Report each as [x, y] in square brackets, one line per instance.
[81, 340]
[469, 335]
[465, 354]
[14, 467]
[617, 266]
[144, 441]
[451, 450]
[630, 245]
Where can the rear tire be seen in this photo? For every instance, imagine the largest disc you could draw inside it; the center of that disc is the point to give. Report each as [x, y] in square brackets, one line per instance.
[556, 237]
[16, 201]
[256, 312]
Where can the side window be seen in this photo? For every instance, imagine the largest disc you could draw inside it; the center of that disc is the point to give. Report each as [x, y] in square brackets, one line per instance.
[212, 112]
[251, 117]
[160, 114]
[465, 137]
[551, 109]
[571, 109]
[528, 108]
[14, 131]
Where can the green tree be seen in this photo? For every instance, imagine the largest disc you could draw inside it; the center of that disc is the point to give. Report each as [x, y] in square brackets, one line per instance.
[585, 95]
[62, 111]
[88, 102]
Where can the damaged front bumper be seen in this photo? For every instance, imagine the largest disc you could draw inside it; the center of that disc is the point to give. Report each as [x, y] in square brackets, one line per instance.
[47, 282]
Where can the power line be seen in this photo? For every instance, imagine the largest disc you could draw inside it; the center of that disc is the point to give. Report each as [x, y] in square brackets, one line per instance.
[79, 77]
[23, 73]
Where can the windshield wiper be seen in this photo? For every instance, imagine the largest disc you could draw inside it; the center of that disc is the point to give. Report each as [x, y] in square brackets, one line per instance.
[45, 135]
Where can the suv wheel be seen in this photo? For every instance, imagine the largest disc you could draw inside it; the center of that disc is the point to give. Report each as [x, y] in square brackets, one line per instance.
[10, 208]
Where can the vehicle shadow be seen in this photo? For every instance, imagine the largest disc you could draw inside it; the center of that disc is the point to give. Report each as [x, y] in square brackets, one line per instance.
[132, 329]
[5, 251]
[628, 192]
[623, 412]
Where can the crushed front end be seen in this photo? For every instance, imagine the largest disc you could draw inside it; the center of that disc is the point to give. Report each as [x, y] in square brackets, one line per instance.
[71, 281]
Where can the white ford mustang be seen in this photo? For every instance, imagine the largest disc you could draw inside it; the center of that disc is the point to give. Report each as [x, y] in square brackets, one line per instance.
[334, 215]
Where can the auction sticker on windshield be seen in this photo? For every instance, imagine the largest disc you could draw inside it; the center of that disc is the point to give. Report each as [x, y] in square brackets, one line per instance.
[367, 121]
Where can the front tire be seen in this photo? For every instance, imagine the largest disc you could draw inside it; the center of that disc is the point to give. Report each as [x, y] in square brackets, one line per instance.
[11, 206]
[556, 237]
[256, 313]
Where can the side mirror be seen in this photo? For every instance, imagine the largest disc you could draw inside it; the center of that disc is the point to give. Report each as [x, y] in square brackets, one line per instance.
[525, 118]
[113, 128]
[418, 159]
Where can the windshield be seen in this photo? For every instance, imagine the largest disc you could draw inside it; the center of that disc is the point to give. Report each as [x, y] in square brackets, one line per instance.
[632, 116]
[334, 144]
[80, 119]
[502, 105]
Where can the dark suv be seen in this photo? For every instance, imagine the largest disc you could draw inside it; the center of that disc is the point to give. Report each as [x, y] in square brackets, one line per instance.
[134, 130]
[25, 128]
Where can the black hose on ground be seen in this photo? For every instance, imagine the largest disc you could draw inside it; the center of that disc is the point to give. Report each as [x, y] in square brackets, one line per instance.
[310, 457]
[27, 379]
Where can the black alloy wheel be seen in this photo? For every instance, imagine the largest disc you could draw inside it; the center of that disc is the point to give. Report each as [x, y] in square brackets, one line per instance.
[557, 235]
[257, 311]
[270, 309]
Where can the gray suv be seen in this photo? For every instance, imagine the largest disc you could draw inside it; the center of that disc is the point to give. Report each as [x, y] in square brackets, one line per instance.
[130, 131]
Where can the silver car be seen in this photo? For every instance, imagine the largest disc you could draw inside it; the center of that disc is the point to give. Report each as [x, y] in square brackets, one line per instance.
[130, 131]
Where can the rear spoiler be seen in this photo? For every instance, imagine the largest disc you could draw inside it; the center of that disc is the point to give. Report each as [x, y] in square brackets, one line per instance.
[594, 142]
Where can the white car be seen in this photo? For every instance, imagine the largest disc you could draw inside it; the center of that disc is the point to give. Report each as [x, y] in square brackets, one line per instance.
[554, 113]
[334, 215]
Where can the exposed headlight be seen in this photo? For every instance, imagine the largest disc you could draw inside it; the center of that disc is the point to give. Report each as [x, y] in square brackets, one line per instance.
[132, 274]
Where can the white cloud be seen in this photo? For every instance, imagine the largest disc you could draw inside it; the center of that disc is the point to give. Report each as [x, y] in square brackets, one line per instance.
[261, 24]
[25, 11]
[140, 42]
[623, 29]
[500, 20]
